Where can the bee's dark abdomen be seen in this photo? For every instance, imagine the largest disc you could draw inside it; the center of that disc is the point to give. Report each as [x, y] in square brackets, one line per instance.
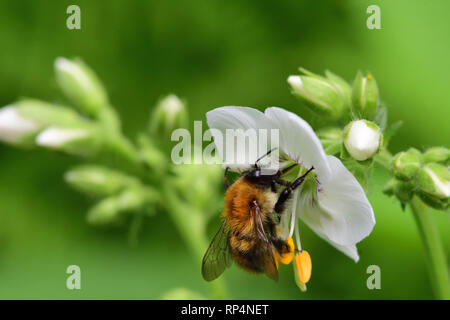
[246, 254]
[247, 260]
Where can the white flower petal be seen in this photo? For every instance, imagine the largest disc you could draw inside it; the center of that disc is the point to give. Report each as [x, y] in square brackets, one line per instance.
[13, 126]
[55, 137]
[239, 118]
[343, 213]
[299, 141]
[351, 251]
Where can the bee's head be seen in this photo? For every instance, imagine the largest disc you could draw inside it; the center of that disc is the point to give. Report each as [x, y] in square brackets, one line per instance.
[256, 172]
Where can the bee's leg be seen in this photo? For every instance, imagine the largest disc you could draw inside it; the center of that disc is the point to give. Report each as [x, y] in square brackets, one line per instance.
[225, 179]
[285, 194]
[282, 182]
[280, 245]
[273, 187]
[286, 169]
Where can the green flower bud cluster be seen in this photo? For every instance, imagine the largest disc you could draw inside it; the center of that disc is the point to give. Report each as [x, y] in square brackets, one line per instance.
[119, 193]
[328, 96]
[31, 123]
[360, 140]
[426, 175]
[92, 130]
[333, 97]
[198, 184]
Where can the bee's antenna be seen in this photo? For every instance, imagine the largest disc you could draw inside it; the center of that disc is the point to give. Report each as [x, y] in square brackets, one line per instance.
[259, 159]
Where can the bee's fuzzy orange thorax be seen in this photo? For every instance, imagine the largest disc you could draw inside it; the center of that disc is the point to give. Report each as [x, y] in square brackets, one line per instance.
[237, 204]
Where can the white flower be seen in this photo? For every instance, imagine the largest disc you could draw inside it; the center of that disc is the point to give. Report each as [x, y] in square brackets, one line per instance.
[362, 139]
[13, 127]
[337, 209]
[54, 137]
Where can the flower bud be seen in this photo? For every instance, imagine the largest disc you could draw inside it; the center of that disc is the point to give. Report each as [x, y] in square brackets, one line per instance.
[48, 114]
[110, 210]
[439, 204]
[433, 179]
[404, 191]
[362, 139]
[80, 84]
[406, 164]
[15, 128]
[97, 180]
[196, 181]
[19, 123]
[364, 96]
[437, 154]
[82, 141]
[343, 86]
[169, 114]
[319, 94]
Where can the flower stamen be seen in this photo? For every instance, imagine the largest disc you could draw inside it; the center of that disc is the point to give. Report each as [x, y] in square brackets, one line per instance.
[302, 268]
[286, 257]
[293, 214]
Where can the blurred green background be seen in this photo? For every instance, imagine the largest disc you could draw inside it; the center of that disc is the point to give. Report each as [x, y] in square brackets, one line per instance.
[211, 53]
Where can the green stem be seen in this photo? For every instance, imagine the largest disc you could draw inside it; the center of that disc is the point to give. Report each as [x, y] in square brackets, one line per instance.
[189, 223]
[436, 260]
[192, 227]
[384, 158]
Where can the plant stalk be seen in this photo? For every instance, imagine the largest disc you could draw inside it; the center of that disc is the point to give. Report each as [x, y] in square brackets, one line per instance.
[436, 260]
[192, 227]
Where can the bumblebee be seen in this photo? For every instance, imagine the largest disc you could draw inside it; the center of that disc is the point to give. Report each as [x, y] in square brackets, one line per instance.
[250, 231]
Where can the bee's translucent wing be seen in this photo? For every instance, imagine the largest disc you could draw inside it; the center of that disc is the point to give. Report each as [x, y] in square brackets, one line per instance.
[266, 259]
[218, 256]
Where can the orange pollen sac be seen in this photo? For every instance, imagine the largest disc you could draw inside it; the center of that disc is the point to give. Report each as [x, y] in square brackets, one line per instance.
[287, 257]
[303, 266]
[369, 76]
